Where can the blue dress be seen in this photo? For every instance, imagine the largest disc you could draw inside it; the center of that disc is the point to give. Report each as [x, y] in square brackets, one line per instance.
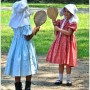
[22, 60]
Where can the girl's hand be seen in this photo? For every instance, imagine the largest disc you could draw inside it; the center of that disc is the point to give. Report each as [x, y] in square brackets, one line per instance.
[56, 28]
[36, 29]
[54, 22]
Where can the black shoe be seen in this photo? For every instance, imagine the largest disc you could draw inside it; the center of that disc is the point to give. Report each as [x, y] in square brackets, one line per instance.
[18, 86]
[58, 82]
[69, 83]
[28, 85]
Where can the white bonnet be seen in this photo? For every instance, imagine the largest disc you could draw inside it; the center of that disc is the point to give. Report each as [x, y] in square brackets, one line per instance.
[20, 15]
[19, 6]
[72, 9]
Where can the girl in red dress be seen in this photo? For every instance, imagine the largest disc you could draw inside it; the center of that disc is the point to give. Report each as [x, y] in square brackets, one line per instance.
[63, 51]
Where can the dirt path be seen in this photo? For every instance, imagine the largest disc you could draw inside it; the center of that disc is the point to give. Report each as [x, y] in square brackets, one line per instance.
[80, 10]
[47, 74]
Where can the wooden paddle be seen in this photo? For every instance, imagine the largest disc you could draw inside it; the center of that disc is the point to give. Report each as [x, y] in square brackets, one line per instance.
[40, 18]
[52, 13]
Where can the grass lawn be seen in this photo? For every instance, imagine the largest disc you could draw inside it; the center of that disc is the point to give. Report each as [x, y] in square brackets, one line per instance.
[45, 36]
[39, 5]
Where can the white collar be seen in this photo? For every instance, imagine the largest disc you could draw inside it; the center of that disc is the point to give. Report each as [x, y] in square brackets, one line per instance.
[74, 19]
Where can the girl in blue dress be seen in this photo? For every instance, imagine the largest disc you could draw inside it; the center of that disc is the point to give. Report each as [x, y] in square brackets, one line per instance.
[22, 60]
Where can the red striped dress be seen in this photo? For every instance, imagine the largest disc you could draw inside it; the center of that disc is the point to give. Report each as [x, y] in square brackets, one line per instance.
[64, 48]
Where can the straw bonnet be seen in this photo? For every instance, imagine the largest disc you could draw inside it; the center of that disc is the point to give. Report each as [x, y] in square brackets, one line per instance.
[72, 9]
[20, 15]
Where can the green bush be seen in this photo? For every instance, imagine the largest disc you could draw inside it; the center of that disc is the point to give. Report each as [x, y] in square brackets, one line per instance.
[78, 1]
[60, 1]
[54, 1]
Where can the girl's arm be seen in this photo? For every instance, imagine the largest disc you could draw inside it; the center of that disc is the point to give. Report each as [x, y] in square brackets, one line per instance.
[36, 29]
[69, 32]
[56, 23]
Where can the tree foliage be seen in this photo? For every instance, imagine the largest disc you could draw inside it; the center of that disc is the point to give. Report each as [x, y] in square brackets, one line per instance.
[60, 1]
[54, 1]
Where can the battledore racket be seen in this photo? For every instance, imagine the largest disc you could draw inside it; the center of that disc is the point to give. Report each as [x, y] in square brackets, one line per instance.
[52, 13]
[40, 18]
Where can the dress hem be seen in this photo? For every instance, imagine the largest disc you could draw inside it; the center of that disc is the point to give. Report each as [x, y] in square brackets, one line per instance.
[62, 64]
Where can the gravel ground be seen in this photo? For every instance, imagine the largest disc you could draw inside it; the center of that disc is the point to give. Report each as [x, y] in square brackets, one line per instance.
[47, 75]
